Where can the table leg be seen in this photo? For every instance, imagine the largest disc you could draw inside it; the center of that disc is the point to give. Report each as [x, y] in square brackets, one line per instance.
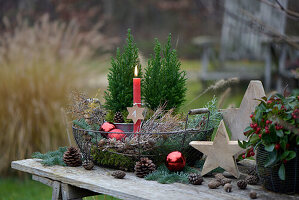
[64, 191]
[56, 193]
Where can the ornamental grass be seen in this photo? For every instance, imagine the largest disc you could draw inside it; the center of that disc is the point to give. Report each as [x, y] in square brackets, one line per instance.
[39, 65]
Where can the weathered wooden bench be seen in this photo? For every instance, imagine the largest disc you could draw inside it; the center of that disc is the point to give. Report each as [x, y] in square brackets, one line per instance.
[76, 183]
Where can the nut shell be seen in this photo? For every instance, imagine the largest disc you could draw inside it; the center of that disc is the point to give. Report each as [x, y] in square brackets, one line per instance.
[228, 187]
[253, 195]
[213, 184]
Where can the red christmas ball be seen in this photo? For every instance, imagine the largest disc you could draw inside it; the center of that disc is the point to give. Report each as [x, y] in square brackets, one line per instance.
[175, 161]
[117, 134]
[107, 127]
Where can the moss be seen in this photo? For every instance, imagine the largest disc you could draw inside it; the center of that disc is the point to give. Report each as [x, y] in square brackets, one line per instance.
[113, 160]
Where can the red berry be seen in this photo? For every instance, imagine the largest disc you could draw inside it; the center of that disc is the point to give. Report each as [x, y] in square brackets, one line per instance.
[258, 129]
[287, 146]
[268, 122]
[260, 136]
[267, 131]
[243, 156]
[263, 120]
[298, 98]
[255, 126]
[251, 116]
[269, 102]
[277, 146]
[284, 161]
[252, 153]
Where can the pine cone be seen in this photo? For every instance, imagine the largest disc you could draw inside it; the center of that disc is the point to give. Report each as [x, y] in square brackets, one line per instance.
[118, 174]
[252, 180]
[144, 167]
[88, 164]
[195, 179]
[242, 184]
[72, 157]
[118, 117]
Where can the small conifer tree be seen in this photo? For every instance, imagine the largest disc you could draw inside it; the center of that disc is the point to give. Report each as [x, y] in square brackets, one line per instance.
[164, 81]
[119, 94]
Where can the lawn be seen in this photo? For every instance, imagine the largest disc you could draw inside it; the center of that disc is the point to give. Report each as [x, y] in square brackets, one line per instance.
[17, 189]
[14, 188]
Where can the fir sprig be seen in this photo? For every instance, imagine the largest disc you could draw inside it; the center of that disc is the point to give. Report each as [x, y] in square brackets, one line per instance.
[119, 94]
[52, 157]
[164, 176]
[215, 116]
[164, 81]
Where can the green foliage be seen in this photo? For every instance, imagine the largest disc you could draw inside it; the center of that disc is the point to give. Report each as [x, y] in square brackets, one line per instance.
[52, 157]
[215, 116]
[164, 176]
[164, 81]
[275, 125]
[113, 160]
[119, 93]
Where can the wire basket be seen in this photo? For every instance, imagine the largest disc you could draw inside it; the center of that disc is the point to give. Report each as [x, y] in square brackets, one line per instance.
[132, 146]
[269, 175]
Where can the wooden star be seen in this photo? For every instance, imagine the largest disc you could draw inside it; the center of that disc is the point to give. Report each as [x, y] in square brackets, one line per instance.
[135, 113]
[237, 119]
[220, 152]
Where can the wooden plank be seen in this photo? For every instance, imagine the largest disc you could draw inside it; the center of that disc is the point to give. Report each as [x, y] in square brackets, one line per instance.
[43, 180]
[132, 187]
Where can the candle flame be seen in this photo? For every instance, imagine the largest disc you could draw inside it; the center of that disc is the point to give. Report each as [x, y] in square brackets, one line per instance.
[136, 71]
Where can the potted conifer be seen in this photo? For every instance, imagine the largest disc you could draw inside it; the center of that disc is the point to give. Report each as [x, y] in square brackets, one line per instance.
[164, 81]
[119, 94]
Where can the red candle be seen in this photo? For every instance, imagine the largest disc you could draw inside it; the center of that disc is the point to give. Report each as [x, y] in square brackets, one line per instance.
[136, 97]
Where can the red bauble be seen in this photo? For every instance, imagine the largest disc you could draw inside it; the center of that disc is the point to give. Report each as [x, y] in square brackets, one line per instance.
[175, 161]
[117, 134]
[107, 127]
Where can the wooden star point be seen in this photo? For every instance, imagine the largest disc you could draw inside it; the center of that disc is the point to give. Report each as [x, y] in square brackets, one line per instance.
[237, 119]
[135, 113]
[220, 152]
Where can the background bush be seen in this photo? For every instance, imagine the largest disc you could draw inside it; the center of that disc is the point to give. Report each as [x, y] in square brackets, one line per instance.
[39, 65]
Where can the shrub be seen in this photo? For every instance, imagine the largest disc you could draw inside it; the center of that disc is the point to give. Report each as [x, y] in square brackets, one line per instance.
[39, 64]
[164, 81]
[119, 94]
